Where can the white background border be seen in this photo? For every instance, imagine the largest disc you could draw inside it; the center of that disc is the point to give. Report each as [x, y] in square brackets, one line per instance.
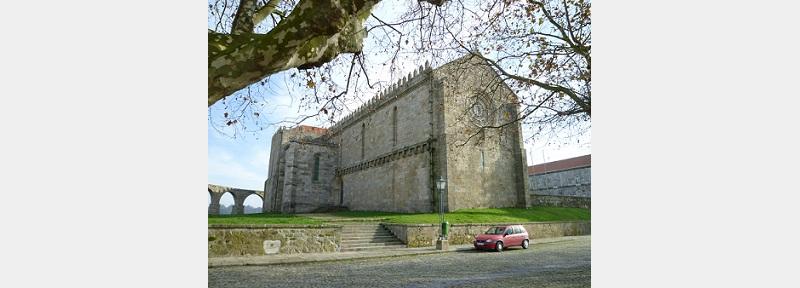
[694, 144]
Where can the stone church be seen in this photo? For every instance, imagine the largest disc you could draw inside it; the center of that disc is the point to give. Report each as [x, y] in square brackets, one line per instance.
[388, 154]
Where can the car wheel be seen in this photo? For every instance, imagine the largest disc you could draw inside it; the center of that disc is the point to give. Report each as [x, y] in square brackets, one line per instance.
[525, 244]
[499, 247]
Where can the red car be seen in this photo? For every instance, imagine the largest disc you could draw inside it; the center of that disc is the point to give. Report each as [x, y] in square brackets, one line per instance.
[499, 237]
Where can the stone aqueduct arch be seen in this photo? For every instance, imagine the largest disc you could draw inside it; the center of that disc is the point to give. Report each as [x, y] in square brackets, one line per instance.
[239, 195]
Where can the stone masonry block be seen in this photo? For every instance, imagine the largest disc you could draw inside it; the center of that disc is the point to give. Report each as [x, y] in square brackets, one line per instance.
[272, 246]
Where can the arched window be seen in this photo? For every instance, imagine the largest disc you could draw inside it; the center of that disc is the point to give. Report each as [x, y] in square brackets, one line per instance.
[394, 126]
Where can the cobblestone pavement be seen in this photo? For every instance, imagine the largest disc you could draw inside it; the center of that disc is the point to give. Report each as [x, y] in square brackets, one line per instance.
[559, 264]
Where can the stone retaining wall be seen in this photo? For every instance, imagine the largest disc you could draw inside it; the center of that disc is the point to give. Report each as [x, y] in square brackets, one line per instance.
[424, 235]
[570, 182]
[248, 240]
[561, 201]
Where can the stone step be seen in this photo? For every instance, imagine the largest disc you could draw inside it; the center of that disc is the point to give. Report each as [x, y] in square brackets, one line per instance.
[368, 237]
[351, 221]
[369, 248]
[373, 238]
[376, 227]
[365, 240]
[369, 243]
[354, 237]
[364, 231]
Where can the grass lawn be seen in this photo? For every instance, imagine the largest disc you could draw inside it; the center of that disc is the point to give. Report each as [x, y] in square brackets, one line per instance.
[480, 215]
[261, 218]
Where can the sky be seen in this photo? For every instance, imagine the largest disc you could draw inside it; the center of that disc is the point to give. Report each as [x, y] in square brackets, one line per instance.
[240, 160]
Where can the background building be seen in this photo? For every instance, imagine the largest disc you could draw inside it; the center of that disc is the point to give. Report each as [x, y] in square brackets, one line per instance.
[562, 183]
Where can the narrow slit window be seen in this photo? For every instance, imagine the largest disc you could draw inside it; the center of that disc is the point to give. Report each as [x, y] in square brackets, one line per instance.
[394, 126]
[482, 161]
[315, 174]
[363, 135]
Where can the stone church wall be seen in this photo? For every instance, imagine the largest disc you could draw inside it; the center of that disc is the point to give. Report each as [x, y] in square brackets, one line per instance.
[397, 183]
[379, 157]
[301, 193]
[276, 179]
[399, 186]
[413, 126]
[271, 184]
[486, 169]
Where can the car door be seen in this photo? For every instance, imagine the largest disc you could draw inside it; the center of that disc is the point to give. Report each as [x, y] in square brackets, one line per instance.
[525, 234]
[510, 239]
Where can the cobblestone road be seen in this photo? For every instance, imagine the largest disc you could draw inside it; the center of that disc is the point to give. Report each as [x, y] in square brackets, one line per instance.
[560, 264]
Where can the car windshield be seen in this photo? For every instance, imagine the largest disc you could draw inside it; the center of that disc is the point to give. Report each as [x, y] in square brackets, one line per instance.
[496, 230]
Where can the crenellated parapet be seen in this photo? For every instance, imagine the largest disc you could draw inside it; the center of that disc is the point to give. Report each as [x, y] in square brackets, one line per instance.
[389, 94]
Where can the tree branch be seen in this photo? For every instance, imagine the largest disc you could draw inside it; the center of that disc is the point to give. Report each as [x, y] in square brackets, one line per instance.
[313, 34]
[434, 2]
[243, 21]
[265, 11]
[580, 49]
[585, 106]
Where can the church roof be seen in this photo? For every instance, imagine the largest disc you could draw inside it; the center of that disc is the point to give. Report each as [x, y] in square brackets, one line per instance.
[311, 129]
[564, 164]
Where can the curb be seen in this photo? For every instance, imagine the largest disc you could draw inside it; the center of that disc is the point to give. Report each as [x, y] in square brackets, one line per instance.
[305, 261]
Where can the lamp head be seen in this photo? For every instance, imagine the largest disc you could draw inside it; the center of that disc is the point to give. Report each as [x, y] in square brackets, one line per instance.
[441, 183]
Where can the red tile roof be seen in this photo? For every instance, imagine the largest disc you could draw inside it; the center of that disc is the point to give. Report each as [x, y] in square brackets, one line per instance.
[580, 161]
[306, 128]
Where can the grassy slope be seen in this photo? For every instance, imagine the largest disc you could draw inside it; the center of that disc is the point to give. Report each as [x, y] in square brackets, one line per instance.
[484, 215]
[262, 218]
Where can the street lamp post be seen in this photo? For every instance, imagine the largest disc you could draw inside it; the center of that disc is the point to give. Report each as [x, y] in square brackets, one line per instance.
[441, 243]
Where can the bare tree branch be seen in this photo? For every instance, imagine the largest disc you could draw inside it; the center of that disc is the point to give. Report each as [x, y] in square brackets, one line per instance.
[329, 29]
[265, 11]
[243, 21]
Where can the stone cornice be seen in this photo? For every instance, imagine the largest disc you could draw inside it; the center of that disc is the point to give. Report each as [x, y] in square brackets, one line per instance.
[400, 153]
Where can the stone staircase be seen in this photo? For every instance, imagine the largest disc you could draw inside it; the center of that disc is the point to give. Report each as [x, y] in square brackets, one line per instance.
[367, 237]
